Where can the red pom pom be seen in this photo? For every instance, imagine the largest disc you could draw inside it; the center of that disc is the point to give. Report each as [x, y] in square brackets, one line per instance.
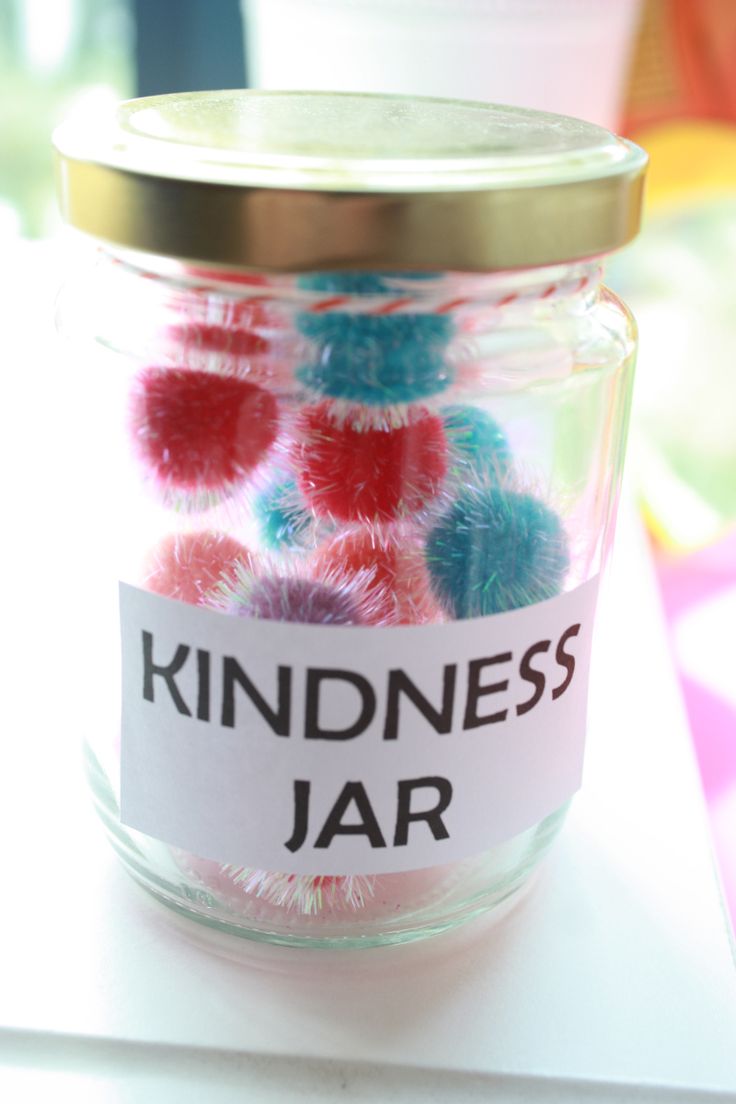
[198, 430]
[249, 312]
[398, 579]
[223, 340]
[187, 566]
[353, 471]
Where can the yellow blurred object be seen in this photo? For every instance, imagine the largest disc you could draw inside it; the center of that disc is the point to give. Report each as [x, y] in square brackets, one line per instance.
[688, 158]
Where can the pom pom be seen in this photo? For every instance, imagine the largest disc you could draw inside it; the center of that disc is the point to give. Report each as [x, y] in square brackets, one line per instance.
[395, 568]
[377, 361]
[308, 894]
[374, 358]
[197, 339]
[218, 305]
[281, 598]
[284, 523]
[329, 598]
[359, 283]
[382, 331]
[476, 440]
[186, 566]
[198, 432]
[352, 471]
[495, 550]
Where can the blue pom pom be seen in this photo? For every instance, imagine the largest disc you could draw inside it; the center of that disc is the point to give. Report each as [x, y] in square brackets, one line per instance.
[284, 524]
[358, 283]
[495, 550]
[342, 327]
[373, 358]
[369, 371]
[476, 440]
[377, 359]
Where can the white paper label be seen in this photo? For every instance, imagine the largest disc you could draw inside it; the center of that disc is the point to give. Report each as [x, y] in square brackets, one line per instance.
[349, 750]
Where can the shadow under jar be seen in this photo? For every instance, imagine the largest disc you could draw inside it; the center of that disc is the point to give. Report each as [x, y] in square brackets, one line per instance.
[362, 403]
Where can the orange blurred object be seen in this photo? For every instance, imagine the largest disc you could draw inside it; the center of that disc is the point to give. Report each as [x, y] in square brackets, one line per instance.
[684, 64]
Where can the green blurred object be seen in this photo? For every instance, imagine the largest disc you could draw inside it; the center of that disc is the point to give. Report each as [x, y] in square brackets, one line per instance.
[56, 57]
[680, 277]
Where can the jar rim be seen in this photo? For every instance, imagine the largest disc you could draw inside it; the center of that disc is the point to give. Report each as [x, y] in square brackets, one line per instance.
[284, 181]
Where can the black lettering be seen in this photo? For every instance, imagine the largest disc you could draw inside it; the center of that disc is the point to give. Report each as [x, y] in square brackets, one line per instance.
[150, 669]
[476, 691]
[440, 719]
[433, 816]
[203, 690]
[565, 660]
[315, 678]
[301, 815]
[368, 826]
[530, 674]
[278, 719]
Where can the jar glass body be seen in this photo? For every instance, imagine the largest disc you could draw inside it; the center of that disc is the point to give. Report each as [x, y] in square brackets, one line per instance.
[220, 402]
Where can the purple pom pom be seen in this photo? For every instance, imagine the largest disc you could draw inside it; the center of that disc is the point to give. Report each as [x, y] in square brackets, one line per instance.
[280, 598]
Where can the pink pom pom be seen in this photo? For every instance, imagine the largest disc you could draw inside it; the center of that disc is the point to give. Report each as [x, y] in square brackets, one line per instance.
[187, 566]
[394, 564]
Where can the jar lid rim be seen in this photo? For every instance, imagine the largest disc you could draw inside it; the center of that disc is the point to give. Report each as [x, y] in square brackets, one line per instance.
[298, 180]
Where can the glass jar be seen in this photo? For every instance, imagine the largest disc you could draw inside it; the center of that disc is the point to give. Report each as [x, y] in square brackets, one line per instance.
[360, 405]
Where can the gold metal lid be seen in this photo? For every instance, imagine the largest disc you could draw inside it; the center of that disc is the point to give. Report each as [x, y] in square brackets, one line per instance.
[295, 181]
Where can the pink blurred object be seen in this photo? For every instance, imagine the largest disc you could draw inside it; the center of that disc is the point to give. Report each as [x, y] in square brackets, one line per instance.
[699, 593]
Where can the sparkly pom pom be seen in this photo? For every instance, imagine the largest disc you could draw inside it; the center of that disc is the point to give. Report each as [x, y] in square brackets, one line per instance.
[308, 894]
[374, 358]
[495, 550]
[220, 314]
[394, 568]
[284, 523]
[198, 340]
[281, 598]
[325, 598]
[353, 471]
[359, 283]
[377, 361]
[475, 440]
[186, 566]
[200, 433]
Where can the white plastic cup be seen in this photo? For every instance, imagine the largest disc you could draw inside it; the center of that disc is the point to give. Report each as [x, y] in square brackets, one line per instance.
[566, 56]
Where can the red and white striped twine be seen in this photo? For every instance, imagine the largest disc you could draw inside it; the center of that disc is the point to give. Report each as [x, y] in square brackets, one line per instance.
[407, 304]
[379, 305]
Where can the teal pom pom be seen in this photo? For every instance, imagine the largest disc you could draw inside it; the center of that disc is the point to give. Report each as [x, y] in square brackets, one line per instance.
[377, 371]
[283, 522]
[476, 440]
[495, 550]
[384, 331]
[373, 358]
[358, 283]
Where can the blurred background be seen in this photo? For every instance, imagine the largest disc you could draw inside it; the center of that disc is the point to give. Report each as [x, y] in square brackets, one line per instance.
[662, 72]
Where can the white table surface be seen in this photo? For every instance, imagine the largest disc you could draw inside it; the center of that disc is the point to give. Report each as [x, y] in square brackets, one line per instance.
[613, 980]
